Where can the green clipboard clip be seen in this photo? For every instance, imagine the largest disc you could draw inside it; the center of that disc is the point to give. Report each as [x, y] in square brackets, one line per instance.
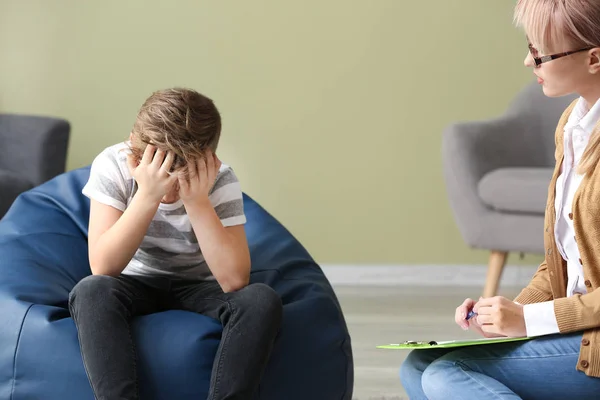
[412, 345]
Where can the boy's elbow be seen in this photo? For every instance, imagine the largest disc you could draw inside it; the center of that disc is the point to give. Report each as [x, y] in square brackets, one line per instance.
[235, 284]
[236, 281]
[101, 268]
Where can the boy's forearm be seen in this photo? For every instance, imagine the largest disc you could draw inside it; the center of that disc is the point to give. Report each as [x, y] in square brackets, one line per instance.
[117, 246]
[228, 261]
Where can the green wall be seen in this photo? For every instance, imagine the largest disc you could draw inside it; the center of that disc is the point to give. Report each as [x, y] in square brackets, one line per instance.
[333, 109]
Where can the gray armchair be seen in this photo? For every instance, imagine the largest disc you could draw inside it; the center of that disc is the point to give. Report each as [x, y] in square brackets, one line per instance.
[32, 150]
[497, 174]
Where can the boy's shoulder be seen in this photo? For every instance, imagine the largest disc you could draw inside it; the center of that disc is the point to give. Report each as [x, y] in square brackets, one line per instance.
[226, 175]
[116, 152]
[112, 160]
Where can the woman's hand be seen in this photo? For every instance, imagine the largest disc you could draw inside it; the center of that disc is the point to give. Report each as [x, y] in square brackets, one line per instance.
[501, 316]
[460, 318]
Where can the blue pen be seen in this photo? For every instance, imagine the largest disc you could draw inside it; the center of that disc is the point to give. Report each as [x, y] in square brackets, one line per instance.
[471, 314]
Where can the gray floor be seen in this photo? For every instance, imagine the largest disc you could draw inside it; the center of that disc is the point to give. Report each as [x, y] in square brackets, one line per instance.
[381, 315]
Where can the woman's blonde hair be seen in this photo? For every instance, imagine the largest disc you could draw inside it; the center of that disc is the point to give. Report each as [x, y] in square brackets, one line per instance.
[178, 120]
[564, 25]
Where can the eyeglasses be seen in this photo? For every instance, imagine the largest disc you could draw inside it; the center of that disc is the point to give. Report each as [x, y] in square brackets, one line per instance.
[540, 60]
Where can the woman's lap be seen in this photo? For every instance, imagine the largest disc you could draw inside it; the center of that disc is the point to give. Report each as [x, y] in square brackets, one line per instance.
[543, 368]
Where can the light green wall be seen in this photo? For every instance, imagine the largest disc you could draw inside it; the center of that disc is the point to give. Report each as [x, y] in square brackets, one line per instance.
[333, 109]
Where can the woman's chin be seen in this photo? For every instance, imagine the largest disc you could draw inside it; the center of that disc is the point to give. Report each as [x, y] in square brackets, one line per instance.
[553, 92]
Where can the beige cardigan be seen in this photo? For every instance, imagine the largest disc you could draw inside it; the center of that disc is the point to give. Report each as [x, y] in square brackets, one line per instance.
[578, 312]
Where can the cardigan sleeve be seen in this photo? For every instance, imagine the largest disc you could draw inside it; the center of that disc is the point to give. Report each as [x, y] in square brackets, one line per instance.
[578, 312]
[538, 289]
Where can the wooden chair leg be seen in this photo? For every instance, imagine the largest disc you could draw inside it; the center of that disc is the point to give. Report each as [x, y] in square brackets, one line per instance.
[495, 267]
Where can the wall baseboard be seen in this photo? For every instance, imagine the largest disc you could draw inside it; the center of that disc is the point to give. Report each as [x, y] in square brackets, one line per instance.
[423, 275]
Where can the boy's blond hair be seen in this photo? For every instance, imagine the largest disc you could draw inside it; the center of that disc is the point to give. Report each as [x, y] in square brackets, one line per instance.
[554, 26]
[179, 120]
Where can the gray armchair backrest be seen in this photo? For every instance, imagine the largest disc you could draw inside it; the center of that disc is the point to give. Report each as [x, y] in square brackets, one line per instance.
[34, 147]
[522, 137]
[543, 113]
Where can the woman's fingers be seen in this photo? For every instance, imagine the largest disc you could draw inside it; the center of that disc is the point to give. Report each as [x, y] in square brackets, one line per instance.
[460, 316]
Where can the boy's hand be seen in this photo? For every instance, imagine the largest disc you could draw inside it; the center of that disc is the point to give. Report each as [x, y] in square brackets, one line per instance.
[202, 175]
[152, 173]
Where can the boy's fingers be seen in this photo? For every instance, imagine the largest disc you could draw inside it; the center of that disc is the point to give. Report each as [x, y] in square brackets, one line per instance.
[193, 168]
[159, 157]
[173, 178]
[210, 160]
[201, 166]
[166, 165]
[182, 179]
[148, 154]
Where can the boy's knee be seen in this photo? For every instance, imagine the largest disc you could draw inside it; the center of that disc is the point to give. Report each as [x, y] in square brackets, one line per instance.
[92, 289]
[262, 300]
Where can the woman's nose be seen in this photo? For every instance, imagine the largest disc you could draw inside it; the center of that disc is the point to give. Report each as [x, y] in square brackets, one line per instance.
[529, 60]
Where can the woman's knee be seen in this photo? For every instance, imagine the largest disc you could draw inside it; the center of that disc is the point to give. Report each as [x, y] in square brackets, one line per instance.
[412, 368]
[437, 379]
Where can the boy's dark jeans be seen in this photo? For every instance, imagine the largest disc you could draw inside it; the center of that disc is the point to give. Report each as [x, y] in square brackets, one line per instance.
[103, 306]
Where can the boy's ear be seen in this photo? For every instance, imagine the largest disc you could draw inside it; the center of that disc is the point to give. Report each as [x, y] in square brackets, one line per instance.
[130, 136]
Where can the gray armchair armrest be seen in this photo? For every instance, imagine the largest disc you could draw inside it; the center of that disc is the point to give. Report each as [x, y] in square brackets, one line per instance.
[33, 147]
[470, 150]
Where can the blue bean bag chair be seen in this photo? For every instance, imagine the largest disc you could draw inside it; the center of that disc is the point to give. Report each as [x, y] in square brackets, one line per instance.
[43, 254]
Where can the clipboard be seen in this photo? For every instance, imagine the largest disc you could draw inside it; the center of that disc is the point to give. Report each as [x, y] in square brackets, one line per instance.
[414, 345]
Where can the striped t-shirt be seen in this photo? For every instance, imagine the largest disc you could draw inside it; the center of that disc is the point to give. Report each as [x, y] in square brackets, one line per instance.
[170, 246]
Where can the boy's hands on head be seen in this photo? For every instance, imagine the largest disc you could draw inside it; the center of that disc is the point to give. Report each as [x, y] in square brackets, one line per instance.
[152, 173]
[202, 174]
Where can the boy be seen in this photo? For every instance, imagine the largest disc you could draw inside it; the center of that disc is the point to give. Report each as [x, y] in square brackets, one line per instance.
[166, 232]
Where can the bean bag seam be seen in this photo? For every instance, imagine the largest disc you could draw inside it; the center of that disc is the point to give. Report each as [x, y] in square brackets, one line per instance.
[342, 347]
[14, 378]
[23, 235]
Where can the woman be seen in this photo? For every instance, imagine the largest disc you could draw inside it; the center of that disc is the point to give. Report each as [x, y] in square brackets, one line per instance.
[561, 304]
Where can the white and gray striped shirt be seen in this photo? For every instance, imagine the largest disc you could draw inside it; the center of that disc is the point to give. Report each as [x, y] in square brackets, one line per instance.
[170, 246]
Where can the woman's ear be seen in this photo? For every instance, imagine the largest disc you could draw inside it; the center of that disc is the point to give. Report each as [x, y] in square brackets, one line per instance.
[594, 66]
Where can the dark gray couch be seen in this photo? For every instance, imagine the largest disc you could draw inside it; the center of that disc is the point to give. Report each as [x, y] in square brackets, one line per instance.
[33, 149]
[497, 174]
